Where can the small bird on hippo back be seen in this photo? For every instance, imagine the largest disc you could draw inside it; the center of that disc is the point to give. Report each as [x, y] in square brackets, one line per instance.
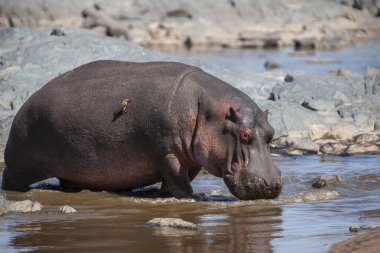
[83, 129]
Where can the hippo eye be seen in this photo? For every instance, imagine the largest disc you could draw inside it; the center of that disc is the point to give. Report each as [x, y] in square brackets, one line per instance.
[245, 135]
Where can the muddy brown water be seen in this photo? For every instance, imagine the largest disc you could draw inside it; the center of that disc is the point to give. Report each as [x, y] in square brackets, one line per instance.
[302, 218]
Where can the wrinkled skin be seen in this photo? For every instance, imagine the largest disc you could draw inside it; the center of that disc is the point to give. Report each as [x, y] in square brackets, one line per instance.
[111, 125]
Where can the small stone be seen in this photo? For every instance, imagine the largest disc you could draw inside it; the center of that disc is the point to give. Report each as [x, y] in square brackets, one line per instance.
[288, 78]
[188, 43]
[67, 209]
[319, 105]
[377, 126]
[271, 65]
[305, 43]
[57, 32]
[172, 222]
[354, 228]
[322, 61]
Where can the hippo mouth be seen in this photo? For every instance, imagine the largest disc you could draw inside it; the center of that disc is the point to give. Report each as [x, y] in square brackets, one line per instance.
[245, 186]
[242, 181]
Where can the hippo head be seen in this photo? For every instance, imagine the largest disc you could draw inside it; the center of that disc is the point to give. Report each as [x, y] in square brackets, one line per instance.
[232, 142]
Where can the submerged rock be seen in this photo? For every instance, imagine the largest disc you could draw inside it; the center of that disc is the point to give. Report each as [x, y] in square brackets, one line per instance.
[172, 222]
[323, 181]
[319, 183]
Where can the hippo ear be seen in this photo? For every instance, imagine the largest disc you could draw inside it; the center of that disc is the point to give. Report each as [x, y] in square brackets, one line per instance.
[233, 115]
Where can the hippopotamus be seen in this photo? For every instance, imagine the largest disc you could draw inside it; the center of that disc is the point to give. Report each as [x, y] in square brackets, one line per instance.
[112, 125]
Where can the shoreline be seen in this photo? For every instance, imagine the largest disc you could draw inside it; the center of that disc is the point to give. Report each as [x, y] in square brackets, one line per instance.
[364, 243]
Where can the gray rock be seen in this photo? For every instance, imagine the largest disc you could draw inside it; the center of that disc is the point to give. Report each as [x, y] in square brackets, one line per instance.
[372, 81]
[179, 13]
[319, 105]
[355, 149]
[319, 183]
[305, 44]
[67, 209]
[366, 138]
[57, 32]
[340, 96]
[288, 78]
[271, 65]
[377, 125]
[322, 61]
[346, 73]
[373, 6]
[362, 120]
[172, 222]
[333, 148]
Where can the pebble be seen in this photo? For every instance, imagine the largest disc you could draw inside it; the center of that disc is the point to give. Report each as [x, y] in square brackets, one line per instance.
[288, 78]
[354, 228]
[172, 222]
[271, 65]
[67, 209]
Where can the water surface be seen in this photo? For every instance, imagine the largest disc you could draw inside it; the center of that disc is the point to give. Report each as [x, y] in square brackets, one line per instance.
[302, 218]
[356, 58]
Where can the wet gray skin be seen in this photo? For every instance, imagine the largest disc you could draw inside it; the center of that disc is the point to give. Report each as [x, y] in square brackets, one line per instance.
[249, 172]
[111, 125]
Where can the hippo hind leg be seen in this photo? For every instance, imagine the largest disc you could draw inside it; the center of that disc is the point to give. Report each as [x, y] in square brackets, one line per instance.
[20, 180]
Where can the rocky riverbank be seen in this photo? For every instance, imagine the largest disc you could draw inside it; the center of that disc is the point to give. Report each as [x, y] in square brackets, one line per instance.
[337, 113]
[179, 24]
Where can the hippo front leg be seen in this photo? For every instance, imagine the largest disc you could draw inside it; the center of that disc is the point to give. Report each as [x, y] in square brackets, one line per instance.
[176, 178]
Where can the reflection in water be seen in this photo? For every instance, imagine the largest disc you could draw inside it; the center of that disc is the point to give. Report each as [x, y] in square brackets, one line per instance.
[238, 229]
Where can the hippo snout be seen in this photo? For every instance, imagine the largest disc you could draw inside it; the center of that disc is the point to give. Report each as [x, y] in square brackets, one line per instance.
[247, 186]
